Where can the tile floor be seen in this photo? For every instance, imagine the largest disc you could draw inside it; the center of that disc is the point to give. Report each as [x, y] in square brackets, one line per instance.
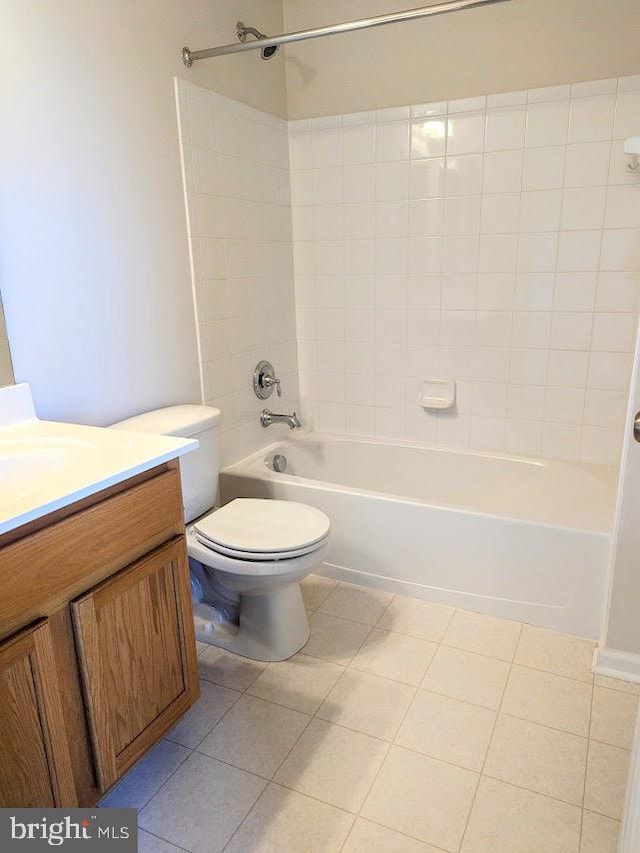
[402, 727]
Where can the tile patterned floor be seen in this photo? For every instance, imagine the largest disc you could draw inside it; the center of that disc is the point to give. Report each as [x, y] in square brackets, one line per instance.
[402, 727]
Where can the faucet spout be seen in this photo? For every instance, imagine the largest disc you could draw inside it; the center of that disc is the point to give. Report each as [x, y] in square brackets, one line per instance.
[267, 418]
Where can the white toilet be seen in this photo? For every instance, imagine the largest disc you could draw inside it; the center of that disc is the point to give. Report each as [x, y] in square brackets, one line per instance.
[254, 551]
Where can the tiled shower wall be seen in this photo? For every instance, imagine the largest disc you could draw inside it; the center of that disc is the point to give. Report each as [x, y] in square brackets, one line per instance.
[494, 241]
[236, 173]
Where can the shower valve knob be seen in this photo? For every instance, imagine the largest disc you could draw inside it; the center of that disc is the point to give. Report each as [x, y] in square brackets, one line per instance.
[265, 380]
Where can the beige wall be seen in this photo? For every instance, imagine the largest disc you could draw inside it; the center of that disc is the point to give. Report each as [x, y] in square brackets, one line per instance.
[519, 45]
[95, 264]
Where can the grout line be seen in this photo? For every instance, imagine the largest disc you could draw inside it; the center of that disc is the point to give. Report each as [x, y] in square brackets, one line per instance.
[586, 764]
[493, 731]
[160, 838]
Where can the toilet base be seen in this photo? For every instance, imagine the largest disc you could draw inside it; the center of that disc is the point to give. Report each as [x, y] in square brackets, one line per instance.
[273, 625]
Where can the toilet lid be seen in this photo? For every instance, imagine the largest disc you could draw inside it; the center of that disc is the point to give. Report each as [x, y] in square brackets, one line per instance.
[256, 526]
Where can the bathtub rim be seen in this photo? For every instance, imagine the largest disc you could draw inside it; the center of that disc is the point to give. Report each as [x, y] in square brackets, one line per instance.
[246, 467]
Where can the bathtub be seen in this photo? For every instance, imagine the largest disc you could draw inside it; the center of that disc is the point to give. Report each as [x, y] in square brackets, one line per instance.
[521, 538]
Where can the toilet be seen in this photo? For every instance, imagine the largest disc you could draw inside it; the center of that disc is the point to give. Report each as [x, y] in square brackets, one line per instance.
[250, 553]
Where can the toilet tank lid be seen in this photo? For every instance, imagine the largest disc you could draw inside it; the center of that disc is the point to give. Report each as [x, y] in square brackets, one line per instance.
[182, 421]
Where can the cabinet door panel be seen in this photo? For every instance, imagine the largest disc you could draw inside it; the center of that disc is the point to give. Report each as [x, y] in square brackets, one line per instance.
[137, 650]
[34, 755]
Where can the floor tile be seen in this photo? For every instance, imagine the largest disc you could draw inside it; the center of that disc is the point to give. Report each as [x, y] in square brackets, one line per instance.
[135, 789]
[552, 700]
[202, 804]
[214, 701]
[201, 647]
[335, 640]
[356, 603]
[395, 656]
[617, 684]
[417, 618]
[367, 703]
[315, 590]
[505, 819]
[255, 735]
[448, 729]
[606, 786]
[367, 837]
[422, 797]
[301, 683]
[333, 764]
[230, 670]
[487, 635]
[283, 821]
[535, 757]
[613, 717]
[148, 843]
[599, 834]
[468, 676]
[561, 654]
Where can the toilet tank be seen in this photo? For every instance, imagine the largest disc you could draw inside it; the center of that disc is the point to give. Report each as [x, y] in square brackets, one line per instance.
[198, 469]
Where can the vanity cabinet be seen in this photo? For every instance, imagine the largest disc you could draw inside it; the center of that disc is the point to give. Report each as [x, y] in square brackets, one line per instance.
[34, 755]
[136, 667]
[97, 646]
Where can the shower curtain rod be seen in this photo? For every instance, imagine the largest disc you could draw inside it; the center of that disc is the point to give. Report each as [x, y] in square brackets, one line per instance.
[191, 56]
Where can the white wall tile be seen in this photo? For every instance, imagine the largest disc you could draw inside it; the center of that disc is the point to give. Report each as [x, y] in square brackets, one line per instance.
[505, 128]
[583, 208]
[587, 164]
[392, 142]
[428, 138]
[500, 213]
[591, 119]
[465, 133]
[540, 210]
[579, 250]
[496, 243]
[358, 144]
[623, 207]
[502, 172]
[543, 168]
[427, 178]
[547, 124]
[627, 122]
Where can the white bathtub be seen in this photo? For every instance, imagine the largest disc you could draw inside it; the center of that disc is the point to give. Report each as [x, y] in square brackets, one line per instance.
[522, 538]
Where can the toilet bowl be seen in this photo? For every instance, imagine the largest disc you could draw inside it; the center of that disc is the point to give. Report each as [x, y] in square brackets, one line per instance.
[260, 550]
[253, 551]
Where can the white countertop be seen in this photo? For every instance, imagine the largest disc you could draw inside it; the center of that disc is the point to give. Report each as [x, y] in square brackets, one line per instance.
[45, 465]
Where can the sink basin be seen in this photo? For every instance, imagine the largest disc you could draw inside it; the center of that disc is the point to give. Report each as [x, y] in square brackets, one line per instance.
[47, 465]
[23, 461]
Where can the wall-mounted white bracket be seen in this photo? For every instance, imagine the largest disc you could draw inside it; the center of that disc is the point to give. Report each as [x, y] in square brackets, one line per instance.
[437, 394]
[632, 148]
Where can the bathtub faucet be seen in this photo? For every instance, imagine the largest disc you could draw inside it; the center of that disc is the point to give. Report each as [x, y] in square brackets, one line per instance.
[267, 418]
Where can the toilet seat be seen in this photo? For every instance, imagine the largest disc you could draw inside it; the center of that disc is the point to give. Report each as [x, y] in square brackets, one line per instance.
[251, 529]
[232, 569]
[258, 556]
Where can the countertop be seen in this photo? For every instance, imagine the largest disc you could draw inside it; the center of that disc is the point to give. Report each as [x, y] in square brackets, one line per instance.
[46, 465]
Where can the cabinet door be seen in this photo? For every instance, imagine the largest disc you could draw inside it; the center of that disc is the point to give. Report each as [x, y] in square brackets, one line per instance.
[138, 658]
[34, 754]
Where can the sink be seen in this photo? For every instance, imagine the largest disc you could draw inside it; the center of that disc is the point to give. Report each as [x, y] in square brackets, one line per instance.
[24, 461]
[47, 465]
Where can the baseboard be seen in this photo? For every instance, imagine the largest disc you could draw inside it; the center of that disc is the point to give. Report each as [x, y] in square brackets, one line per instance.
[616, 664]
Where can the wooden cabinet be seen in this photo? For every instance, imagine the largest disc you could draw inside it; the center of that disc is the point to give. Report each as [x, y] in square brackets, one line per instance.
[97, 646]
[135, 640]
[34, 756]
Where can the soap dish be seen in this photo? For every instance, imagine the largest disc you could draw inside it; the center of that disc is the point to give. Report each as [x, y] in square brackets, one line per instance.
[438, 394]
